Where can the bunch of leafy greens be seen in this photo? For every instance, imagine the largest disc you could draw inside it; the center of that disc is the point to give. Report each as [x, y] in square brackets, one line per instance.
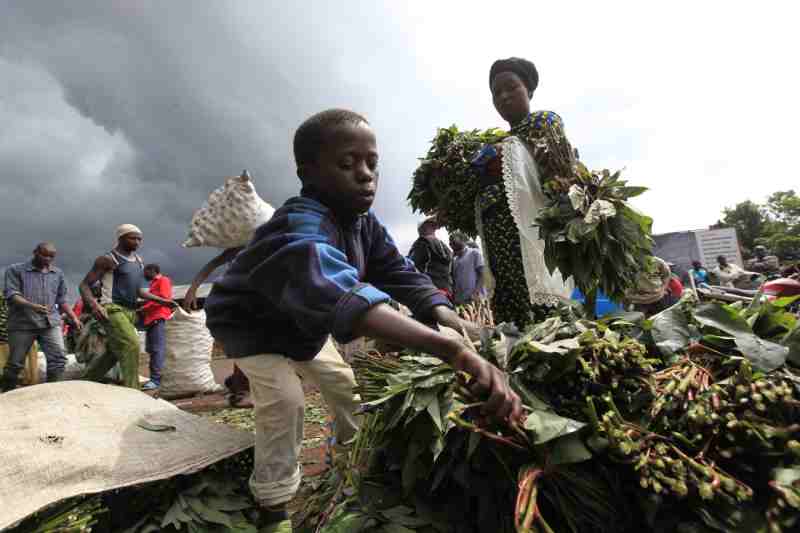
[593, 235]
[215, 499]
[446, 184]
[685, 422]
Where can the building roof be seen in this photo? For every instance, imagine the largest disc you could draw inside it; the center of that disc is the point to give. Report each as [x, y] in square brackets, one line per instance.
[179, 291]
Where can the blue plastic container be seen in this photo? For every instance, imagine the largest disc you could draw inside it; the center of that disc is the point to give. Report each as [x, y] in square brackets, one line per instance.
[603, 306]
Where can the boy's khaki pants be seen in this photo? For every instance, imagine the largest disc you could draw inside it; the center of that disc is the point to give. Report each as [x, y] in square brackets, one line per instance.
[279, 404]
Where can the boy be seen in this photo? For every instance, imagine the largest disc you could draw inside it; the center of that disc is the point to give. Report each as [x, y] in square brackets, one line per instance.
[155, 317]
[324, 265]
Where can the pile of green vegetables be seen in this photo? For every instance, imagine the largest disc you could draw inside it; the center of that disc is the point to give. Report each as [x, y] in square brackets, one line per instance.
[216, 499]
[587, 214]
[688, 421]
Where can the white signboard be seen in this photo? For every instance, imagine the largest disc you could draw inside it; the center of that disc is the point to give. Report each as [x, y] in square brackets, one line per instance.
[715, 242]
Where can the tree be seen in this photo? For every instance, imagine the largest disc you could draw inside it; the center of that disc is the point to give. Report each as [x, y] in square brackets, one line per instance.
[783, 234]
[784, 207]
[750, 220]
[775, 224]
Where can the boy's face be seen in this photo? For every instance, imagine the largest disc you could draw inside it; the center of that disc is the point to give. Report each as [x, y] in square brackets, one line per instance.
[346, 170]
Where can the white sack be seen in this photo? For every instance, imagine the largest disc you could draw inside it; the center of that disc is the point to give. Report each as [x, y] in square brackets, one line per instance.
[187, 366]
[230, 216]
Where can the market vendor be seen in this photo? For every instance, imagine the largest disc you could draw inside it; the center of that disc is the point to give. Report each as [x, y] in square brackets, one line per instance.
[155, 316]
[651, 294]
[325, 265]
[121, 274]
[523, 289]
[36, 294]
[467, 270]
[730, 273]
[431, 256]
[763, 262]
[699, 275]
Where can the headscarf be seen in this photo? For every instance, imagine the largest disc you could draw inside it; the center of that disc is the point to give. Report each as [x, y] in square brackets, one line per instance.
[521, 67]
[124, 229]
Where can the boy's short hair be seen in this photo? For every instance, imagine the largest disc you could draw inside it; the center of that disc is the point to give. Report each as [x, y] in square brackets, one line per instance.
[154, 267]
[309, 137]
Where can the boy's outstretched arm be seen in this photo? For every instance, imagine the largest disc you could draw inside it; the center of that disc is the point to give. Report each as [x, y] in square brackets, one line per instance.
[383, 322]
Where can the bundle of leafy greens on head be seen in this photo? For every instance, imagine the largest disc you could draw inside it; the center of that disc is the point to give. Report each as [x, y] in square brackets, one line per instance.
[590, 231]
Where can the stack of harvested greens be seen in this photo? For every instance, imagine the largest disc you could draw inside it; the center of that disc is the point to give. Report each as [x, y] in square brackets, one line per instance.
[587, 213]
[685, 422]
[445, 184]
[214, 500]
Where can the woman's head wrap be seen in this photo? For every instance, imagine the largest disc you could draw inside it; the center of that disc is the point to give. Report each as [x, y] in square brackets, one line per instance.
[521, 67]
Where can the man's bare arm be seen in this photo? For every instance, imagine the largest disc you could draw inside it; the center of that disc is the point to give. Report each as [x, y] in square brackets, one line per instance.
[190, 300]
[71, 316]
[102, 266]
[144, 294]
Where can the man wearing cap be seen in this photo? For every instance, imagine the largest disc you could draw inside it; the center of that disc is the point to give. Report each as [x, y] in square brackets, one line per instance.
[122, 282]
[762, 262]
[432, 257]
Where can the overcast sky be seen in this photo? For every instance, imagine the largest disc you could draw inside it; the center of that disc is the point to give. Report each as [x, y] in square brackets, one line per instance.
[133, 111]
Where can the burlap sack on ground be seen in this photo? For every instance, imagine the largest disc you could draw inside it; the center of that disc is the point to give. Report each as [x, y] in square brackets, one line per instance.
[59, 440]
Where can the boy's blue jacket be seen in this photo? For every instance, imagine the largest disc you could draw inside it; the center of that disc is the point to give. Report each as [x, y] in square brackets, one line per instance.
[305, 275]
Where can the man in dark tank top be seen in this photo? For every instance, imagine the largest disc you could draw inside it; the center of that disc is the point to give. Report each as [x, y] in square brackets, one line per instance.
[121, 275]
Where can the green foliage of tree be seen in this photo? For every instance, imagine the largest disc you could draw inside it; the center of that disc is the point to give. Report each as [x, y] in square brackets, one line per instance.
[775, 224]
[750, 220]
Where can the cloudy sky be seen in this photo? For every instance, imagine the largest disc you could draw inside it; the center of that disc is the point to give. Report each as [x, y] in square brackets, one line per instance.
[118, 111]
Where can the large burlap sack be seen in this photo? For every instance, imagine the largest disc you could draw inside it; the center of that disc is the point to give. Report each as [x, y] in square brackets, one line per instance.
[187, 368]
[59, 440]
[230, 216]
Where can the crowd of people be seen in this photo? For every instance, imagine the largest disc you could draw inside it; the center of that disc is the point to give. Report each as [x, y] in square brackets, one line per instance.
[103, 331]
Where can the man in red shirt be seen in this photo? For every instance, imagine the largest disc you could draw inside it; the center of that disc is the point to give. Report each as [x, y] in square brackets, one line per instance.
[155, 317]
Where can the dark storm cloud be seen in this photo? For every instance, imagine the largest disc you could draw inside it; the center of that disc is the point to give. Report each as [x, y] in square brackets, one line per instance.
[134, 111]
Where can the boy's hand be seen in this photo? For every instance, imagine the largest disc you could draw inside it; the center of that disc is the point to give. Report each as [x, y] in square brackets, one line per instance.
[503, 403]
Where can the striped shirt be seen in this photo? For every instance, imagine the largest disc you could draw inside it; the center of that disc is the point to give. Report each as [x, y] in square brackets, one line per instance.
[45, 288]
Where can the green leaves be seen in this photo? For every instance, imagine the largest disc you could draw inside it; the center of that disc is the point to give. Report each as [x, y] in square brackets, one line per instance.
[763, 354]
[546, 426]
[445, 184]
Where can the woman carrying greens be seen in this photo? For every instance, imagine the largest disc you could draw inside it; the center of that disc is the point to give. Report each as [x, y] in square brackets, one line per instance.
[510, 196]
